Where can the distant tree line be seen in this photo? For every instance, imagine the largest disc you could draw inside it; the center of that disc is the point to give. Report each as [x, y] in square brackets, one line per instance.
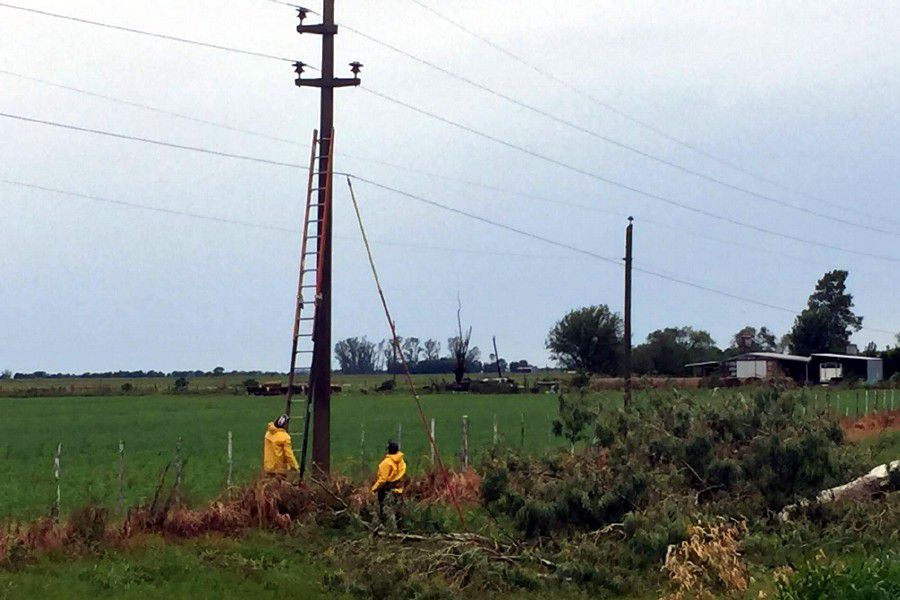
[218, 371]
[591, 338]
[360, 356]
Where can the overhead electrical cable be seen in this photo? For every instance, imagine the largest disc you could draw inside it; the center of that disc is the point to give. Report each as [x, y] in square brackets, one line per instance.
[161, 111]
[163, 36]
[619, 144]
[641, 123]
[576, 169]
[598, 177]
[559, 244]
[144, 140]
[426, 201]
[408, 169]
[263, 226]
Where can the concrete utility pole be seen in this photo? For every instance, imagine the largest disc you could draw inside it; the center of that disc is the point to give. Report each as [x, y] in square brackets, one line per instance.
[628, 257]
[320, 372]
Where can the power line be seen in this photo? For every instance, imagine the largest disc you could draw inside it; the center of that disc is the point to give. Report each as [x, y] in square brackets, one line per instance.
[406, 168]
[619, 184]
[578, 250]
[250, 224]
[163, 36]
[299, 166]
[153, 108]
[635, 120]
[151, 141]
[617, 143]
[262, 226]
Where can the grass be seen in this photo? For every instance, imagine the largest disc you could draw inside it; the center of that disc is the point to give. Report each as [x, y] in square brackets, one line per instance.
[90, 428]
[260, 566]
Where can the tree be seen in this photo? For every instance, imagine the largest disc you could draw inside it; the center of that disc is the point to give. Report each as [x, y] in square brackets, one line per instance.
[871, 350]
[828, 321]
[219, 371]
[491, 367]
[785, 343]
[666, 351]
[412, 350]
[356, 355]
[432, 349]
[465, 358]
[6, 374]
[588, 339]
[749, 339]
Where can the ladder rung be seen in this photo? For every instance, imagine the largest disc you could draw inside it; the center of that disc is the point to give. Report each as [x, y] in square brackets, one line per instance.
[304, 351]
[309, 285]
[307, 318]
[304, 335]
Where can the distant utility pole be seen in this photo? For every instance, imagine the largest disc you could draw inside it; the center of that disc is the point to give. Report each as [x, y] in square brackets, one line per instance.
[497, 359]
[320, 372]
[628, 257]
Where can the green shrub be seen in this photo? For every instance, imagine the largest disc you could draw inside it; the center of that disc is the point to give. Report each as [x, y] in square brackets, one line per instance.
[871, 578]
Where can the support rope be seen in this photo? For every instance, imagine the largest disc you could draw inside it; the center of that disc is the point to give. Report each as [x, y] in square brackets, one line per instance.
[407, 375]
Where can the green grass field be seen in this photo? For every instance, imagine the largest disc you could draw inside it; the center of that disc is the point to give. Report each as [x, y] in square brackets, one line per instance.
[89, 429]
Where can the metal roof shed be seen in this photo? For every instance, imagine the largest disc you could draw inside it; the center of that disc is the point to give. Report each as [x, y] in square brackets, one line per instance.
[768, 365]
[827, 366]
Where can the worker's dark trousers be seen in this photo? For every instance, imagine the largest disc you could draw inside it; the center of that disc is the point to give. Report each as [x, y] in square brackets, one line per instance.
[390, 509]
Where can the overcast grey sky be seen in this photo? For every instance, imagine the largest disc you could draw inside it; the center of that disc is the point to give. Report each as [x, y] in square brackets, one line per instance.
[805, 93]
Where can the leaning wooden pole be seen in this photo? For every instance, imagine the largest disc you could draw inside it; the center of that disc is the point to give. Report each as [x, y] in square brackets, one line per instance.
[406, 372]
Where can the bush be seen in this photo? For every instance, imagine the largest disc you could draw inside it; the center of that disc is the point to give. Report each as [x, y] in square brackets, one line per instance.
[748, 457]
[871, 578]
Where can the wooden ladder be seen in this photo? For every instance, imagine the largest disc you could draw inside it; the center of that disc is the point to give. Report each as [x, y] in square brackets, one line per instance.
[309, 281]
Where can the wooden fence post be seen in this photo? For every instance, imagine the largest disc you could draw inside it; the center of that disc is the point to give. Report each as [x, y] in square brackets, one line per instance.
[121, 476]
[496, 435]
[362, 442]
[465, 441]
[867, 403]
[433, 439]
[522, 433]
[56, 469]
[230, 460]
[179, 467]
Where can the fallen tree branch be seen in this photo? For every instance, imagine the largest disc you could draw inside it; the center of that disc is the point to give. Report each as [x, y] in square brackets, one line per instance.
[861, 488]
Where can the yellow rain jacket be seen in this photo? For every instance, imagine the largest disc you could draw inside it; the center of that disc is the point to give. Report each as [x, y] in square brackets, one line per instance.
[278, 457]
[390, 471]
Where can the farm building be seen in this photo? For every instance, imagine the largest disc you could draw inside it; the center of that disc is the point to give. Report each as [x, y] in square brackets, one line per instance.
[827, 367]
[768, 365]
[704, 369]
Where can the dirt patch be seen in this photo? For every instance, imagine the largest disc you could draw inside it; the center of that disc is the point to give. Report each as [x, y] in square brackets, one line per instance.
[871, 425]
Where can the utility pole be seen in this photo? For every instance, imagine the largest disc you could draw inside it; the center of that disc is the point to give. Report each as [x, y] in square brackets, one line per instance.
[497, 359]
[320, 372]
[628, 257]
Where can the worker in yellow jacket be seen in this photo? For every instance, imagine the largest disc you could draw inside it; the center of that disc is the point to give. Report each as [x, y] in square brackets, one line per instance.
[389, 485]
[278, 457]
